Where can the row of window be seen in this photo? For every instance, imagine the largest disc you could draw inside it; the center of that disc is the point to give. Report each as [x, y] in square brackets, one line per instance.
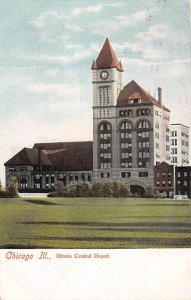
[164, 183]
[124, 174]
[50, 179]
[105, 126]
[129, 112]
[22, 169]
[105, 161]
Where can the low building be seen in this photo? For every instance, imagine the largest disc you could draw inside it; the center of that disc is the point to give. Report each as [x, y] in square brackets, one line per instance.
[183, 180]
[38, 169]
[164, 179]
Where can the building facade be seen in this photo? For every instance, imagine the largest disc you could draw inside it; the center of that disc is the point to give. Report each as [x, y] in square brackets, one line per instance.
[183, 180]
[128, 125]
[40, 168]
[172, 180]
[179, 143]
[164, 181]
[130, 135]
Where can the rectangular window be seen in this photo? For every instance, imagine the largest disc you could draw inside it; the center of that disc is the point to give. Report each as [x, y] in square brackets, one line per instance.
[12, 169]
[126, 135]
[23, 168]
[174, 160]
[143, 134]
[105, 165]
[157, 135]
[105, 146]
[89, 177]
[126, 154]
[105, 136]
[47, 179]
[105, 175]
[105, 155]
[76, 176]
[70, 177]
[157, 125]
[143, 174]
[126, 164]
[126, 145]
[125, 174]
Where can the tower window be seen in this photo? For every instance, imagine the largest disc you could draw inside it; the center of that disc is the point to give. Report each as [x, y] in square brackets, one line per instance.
[104, 95]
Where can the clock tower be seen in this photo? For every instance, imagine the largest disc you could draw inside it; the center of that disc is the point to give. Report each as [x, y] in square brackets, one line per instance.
[107, 80]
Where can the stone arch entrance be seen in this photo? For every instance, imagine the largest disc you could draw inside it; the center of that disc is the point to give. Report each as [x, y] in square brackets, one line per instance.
[137, 186]
[137, 189]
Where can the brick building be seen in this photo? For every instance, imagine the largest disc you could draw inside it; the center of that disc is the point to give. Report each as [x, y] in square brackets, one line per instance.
[164, 179]
[183, 180]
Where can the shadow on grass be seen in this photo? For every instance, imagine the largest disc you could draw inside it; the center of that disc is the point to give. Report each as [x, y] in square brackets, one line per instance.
[101, 224]
[45, 202]
[162, 242]
[15, 246]
[41, 202]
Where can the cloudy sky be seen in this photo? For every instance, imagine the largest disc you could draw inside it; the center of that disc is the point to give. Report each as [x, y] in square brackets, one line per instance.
[46, 51]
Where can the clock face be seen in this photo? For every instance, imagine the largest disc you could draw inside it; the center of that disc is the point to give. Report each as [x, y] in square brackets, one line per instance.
[104, 75]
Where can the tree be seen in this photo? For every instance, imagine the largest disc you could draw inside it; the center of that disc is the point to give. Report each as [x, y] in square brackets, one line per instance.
[12, 187]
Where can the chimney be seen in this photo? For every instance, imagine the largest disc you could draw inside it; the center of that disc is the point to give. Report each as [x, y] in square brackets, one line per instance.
[160, 95]
[39, 158]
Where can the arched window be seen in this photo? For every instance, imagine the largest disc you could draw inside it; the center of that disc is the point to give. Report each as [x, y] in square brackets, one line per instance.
[143, 112]
[126, 144]
[105, 126]
[143, 124]
[126, 113]
[105, 145]
[126, 125]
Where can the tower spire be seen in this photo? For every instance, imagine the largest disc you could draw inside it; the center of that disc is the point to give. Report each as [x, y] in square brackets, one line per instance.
[107, 58]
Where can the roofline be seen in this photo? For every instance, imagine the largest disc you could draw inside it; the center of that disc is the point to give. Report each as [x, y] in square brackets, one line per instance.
[52, 143]
[120, 70]
[180, 124]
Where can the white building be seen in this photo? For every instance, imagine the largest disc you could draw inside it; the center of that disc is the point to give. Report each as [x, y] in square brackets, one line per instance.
[179, 143]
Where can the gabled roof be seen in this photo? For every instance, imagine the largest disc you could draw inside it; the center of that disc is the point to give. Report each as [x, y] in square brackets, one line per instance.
[107, 58]
[163, 164]
[68, 156]
[132, 89]
[28, 157]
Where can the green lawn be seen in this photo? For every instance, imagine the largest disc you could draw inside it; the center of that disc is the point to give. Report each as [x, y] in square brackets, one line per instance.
[94, 223]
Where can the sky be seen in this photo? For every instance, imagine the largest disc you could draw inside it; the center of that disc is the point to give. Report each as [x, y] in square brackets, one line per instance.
[46, 52]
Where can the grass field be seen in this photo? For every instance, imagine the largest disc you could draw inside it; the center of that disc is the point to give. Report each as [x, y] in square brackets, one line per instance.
[94, 223]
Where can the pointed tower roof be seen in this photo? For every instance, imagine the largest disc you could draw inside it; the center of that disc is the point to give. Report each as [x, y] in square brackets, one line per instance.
[94, 65]
[107, 58]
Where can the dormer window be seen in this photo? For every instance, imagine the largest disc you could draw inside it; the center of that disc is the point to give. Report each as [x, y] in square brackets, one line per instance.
[135, 98]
